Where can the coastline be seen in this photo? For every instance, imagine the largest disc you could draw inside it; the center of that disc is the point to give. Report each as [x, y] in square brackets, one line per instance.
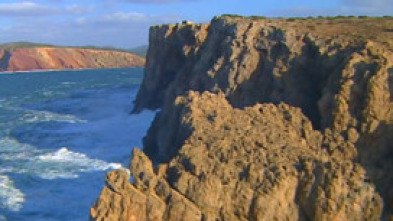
[65, 69]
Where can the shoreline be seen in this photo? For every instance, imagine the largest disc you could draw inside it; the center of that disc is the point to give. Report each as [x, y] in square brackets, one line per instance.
[65, 69]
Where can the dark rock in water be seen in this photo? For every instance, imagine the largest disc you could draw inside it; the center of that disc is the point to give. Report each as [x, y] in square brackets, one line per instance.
[296, 123]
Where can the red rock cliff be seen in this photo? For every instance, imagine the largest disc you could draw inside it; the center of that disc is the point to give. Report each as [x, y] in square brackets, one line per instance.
[37, 58]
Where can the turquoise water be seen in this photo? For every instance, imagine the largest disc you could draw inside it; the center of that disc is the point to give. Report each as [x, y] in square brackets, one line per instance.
[59, 132]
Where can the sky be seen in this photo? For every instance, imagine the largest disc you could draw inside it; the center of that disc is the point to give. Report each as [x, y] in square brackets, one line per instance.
[125, 23]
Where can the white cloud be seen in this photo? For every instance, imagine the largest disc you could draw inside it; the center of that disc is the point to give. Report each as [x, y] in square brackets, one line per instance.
[79, 9]
[369, 7]
[151, 1]
[25, 9]
[374, 3]
[303, 11]
[119, 29]
[126, 16]
[345, 7]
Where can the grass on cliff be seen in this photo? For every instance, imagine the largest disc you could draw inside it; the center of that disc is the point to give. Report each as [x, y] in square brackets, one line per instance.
[348, 28]
[25, 44]
[309, 17]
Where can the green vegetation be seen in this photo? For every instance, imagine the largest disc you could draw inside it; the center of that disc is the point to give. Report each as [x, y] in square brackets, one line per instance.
[257, 17]
[25, 44]
[22, 44]
[140, 51]
[105, 48]
[232, 15]
[241, 16]
[306, 18]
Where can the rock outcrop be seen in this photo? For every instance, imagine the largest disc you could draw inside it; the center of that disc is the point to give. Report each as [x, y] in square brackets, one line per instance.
[261, 163]
[267, 119]
[42, 58]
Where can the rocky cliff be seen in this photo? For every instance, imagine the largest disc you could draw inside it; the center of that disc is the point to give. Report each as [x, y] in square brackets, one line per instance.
[38, 58]
[263, 119]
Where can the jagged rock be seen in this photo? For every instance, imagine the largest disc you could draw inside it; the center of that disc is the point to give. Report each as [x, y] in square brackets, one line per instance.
[267, 119]
[119, 200]
[248, 164]
[342, 82]
[150, 199]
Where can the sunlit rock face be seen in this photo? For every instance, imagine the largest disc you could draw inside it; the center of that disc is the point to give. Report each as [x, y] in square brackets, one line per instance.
[266, 119]
[43, 58]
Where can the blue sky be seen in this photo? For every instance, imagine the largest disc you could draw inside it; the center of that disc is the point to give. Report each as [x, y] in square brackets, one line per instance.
[125, 23]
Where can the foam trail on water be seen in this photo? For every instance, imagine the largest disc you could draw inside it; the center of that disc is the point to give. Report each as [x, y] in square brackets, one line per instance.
[21, 158]
[10, 197]
[64, 163]
[44, 116]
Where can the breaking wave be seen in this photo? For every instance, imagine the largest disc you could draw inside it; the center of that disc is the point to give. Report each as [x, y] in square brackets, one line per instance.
[10, 197]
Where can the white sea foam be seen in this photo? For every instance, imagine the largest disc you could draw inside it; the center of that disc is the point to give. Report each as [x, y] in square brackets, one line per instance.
[33, 116]
[95, 133]
[64, 163]
[10, 197]
[68, 83]
[9, 145]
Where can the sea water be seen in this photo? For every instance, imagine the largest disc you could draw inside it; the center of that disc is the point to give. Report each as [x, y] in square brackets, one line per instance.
[60, 131]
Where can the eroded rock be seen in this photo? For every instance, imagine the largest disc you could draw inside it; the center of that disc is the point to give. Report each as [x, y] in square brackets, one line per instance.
[248, 164]
[267, 119]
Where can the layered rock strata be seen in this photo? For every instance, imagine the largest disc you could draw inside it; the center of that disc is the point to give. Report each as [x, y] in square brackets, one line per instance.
[297, 123]
[43, 58]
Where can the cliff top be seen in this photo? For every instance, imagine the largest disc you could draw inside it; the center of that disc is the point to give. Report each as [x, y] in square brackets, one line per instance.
[351, 29]
[347, 28]
[26, 44]
[296, 112]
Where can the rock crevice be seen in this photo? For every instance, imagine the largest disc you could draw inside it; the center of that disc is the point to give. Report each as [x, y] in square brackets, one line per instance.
[242, 164]
[267, 115]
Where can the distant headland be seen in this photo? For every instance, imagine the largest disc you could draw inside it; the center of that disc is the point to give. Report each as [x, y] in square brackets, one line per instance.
[28, 56]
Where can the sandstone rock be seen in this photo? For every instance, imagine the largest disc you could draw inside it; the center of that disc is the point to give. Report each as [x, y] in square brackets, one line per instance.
[121, 200]
[342, 83]
[266, 120]
[248, 164]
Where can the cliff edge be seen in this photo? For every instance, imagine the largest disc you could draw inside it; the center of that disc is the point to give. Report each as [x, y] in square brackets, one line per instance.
[263, 119]
[51, 57]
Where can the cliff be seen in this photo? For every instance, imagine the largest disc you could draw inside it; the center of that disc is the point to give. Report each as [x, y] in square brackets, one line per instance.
[263, 119]
[50, 57]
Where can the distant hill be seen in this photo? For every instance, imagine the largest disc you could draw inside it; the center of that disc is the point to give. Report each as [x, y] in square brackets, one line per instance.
[25, 56]
[140, 50]
[23, 44]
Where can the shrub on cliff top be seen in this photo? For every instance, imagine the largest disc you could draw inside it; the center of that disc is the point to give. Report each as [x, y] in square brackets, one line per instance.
[257, 17]
[232, 15]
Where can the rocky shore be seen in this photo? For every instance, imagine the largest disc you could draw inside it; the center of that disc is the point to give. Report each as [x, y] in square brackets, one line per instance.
[262, 119]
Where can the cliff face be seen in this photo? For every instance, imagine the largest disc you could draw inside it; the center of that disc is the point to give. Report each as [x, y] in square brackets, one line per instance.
[37, 58]
[261, 163]
[312, 150]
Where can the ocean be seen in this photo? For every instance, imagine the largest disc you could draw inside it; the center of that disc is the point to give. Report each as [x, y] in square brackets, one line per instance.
[60, 131]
